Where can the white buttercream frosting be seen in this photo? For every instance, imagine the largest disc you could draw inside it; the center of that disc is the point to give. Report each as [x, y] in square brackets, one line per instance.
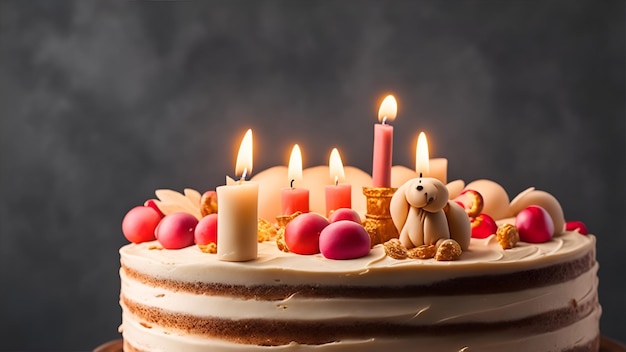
[273, 267]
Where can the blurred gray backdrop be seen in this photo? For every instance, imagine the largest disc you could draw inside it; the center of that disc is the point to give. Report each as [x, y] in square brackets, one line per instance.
[103, 102]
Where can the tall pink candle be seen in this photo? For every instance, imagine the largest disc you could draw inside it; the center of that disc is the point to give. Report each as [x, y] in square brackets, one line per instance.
[294, 199]
[383, 143]
[337, 195]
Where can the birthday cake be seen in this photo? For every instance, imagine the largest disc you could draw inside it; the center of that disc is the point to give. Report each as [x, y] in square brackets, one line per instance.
[416, 264]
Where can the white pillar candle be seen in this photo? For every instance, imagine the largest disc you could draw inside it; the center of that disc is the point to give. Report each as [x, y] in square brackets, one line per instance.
[237, 215]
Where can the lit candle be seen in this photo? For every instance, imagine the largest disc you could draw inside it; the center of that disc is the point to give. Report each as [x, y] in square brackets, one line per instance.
[435, 168]
[337, 195]
[238, 207]
[294, 199]
[383, 143]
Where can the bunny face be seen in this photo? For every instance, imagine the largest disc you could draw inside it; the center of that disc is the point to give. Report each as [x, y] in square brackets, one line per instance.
[426, 193]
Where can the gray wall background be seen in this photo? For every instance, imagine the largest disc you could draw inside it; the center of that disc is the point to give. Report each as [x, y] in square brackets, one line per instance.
[103, 102]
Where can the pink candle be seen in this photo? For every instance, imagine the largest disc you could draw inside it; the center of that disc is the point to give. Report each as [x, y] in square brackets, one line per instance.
[383, 143]
[294, 199]
[337, 195]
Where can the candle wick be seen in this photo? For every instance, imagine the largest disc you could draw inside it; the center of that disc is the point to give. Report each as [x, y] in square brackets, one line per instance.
[384, 120]
[336, 180]
[420, 175]
[291, 183]
[243, 175]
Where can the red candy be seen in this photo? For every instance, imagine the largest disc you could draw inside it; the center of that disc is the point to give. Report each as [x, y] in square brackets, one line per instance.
[302, 234]
[150, 203]
[344, 239]
[139, 224]
[576, 226]
[345, 214]
[534, 225]
[483, 226]
[176, 230]
[206, 230]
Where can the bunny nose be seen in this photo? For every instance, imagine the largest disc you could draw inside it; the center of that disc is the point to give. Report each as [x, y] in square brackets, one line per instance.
[420, 187]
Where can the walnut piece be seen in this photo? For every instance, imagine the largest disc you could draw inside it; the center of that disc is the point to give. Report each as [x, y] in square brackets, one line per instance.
[283, 220]
[423, 252]
[507, 236]
[266, 231]
[395, 249]
[448, 250]
[280, 240]
[208, 203]
[208, 248]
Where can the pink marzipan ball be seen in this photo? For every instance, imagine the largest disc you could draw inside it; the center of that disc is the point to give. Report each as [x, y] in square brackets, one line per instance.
[344, 214]
[139, 224]
[344, 239]
[176, 230]
[206, 230]
[534, 225]
[302, 234]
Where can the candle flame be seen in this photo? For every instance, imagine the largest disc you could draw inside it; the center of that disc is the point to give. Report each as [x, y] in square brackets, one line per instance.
[422, 162]
[294, 172]
[335, 167]
[388, 109]
[244, 157]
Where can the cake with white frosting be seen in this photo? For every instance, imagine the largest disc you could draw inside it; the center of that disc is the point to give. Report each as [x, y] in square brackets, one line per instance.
[531, 297]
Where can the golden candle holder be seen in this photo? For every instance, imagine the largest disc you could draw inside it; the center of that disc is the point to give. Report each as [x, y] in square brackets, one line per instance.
[378, 222]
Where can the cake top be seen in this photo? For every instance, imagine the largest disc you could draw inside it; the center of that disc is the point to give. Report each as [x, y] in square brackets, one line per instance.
[483, 255]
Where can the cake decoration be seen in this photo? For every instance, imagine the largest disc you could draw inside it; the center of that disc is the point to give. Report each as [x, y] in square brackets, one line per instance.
[294, 199]
[507, 236]
[534, 224]
[171, 201]
[337, 195]
[302, 234]
[208, 203]
[344, 239]
[139, 224]
[577, 226]
[383, 143]
[237, 203]
[424, 215]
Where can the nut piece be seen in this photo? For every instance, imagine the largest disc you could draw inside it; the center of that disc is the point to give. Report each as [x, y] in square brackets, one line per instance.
[280, 240]
[208, 203]
[448, 250]
[266, 230]
[425, 251]
[395, 249]
[507, 236]
[283, 220]
[208, 248]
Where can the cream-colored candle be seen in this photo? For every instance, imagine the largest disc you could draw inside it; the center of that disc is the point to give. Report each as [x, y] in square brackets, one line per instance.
[435, 168]
[237, 215]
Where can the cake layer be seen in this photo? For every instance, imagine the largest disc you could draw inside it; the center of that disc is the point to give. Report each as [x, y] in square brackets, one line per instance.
[541, 295]
[421, 310]
[581, 336]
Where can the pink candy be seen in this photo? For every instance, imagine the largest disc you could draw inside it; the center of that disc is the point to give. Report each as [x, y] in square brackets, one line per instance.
[302, 234]
[206, 230]
[139, 224]
[176, 230]
[345, 214]
[344, 239]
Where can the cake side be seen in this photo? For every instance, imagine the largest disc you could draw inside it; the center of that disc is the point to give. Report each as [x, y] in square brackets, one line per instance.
[540, 294]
